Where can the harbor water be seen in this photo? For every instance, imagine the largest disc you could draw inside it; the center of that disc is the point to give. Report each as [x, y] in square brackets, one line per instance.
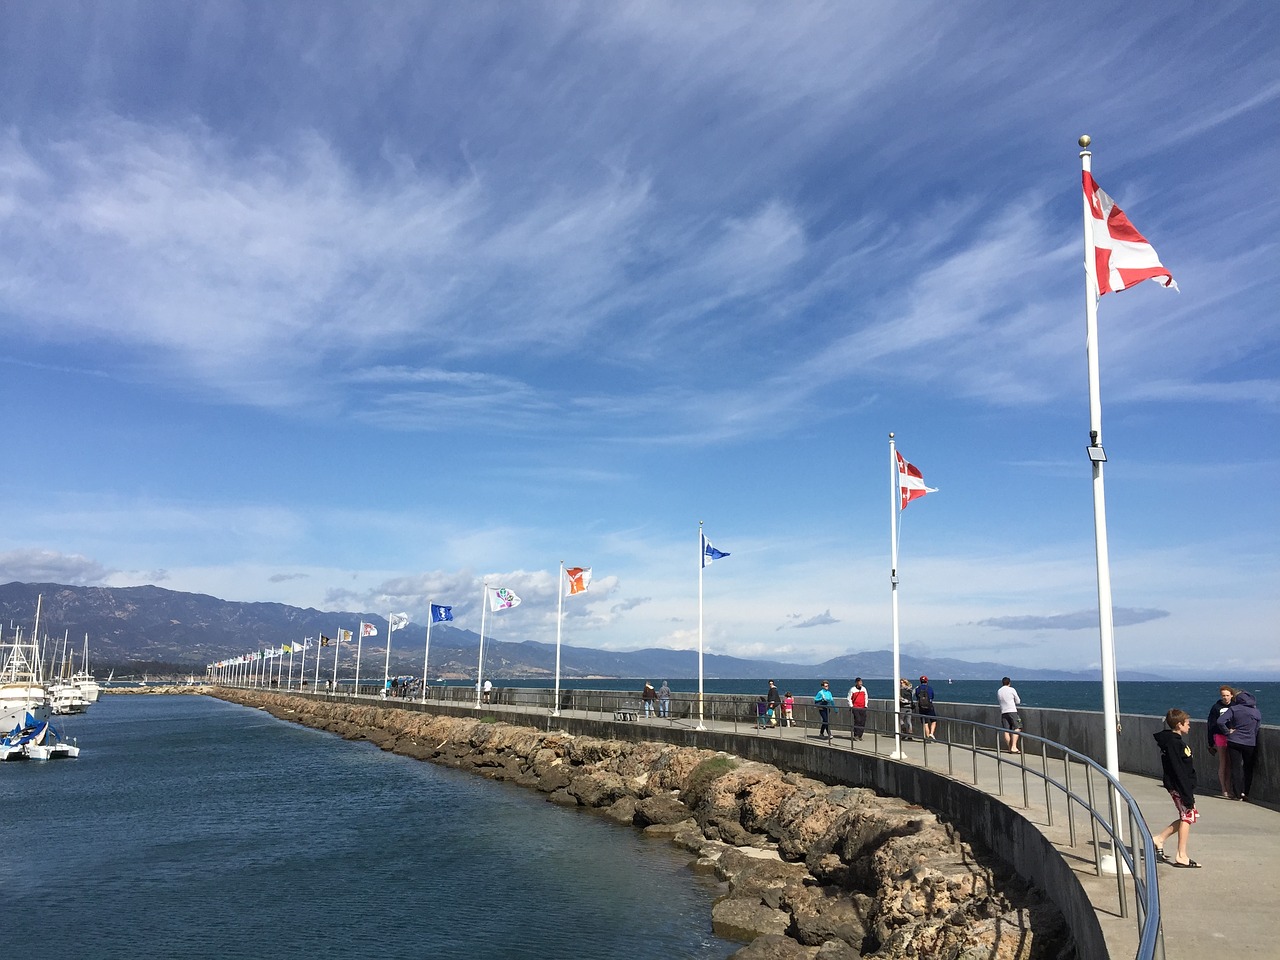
[194, 828]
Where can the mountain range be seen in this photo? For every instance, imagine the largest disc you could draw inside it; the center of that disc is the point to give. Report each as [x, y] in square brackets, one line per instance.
[148, 624]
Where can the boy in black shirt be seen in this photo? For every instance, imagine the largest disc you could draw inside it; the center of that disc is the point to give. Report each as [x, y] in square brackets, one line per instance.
[1180, 781]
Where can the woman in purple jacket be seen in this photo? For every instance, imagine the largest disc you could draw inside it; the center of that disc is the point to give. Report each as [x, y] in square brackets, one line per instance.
[1241, 721]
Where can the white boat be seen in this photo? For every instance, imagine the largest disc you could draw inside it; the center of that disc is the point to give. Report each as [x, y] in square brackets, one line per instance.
[66, 697]
[40, 741]
[22, 694]
[46, 743]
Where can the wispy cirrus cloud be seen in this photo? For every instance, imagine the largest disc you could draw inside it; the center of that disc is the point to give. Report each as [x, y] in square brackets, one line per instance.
[798, 621]
[1076, 620]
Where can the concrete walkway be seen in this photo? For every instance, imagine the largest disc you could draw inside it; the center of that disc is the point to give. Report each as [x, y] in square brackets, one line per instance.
[1230, 907]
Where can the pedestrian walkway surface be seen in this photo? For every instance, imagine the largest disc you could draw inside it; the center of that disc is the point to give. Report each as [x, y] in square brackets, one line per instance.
[1229, 907]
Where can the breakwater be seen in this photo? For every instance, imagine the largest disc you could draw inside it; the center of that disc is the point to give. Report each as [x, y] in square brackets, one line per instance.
[813, 869]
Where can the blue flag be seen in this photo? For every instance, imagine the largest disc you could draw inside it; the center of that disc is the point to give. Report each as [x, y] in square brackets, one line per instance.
[710, 553]
[440, 613]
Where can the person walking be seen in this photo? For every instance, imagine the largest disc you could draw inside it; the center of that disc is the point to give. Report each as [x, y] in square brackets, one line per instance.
[1241, 721]
[825, 702]
[1008, 699]
[788, 710]
[664, 700]
[1179, 778]
[924, 707]
[858, 704]
[1218, 742]
[648, 696]
[774, 699]
[906, 708]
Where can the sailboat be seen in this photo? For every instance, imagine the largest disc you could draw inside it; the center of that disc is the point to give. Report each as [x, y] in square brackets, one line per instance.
[23, 699]
[77, 691]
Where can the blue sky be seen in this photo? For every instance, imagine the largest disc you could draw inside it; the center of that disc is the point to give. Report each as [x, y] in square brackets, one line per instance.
[351, 307]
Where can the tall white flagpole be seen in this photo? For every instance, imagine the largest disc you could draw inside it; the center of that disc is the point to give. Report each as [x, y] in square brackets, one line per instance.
[359, 645]
[426, 651]
[386, 670]
[484, 606]
[702, 563]
[315, 684]
[1106, 625]
[555, 704]
[337, 645]
[302, 667]
[289, 685]
[894, 509]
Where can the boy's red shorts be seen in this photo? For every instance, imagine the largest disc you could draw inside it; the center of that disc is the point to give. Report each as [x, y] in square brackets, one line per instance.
[1185, 813]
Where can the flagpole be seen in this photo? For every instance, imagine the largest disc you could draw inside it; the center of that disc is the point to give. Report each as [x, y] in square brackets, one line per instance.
[702, 563]
[555, 704]
[359, 645]
[302, 667]
[386, 670]
[431, 615]
[289, 685]
[484, 604]
[895, 507]
[1106, 624]
[315, 684]
[337, 645]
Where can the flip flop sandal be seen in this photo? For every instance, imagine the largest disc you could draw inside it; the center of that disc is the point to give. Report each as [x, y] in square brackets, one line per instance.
[1162, 856]
[1189, 864]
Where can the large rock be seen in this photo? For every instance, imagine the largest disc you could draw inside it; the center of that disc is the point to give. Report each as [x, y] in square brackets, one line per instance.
[599, 789]
[823, 913]
[744, 920]
[660, 809]
[775, 946]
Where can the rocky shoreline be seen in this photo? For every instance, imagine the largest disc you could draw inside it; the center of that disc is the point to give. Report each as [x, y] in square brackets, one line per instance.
[813, 870]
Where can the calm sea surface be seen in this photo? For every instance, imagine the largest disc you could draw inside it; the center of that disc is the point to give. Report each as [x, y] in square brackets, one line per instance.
[194, 828]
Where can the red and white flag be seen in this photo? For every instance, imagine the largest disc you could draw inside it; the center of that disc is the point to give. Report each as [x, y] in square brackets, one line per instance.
[1122, 256]
[579, 579]
[910, 483]
[368, 630]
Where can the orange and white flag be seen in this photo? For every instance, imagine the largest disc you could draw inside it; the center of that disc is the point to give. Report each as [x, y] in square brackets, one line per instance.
[579, 579]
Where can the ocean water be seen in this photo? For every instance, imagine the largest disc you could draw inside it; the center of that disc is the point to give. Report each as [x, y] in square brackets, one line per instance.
[194, 828]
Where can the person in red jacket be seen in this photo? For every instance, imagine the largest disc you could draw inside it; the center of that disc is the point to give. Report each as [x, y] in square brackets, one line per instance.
[858, 702]
[1180, 780]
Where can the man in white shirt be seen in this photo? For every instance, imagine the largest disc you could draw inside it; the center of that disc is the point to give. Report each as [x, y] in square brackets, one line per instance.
[1008, 699]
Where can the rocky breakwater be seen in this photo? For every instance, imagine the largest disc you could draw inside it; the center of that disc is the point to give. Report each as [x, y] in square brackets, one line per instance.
[160, 689]
[812, 870]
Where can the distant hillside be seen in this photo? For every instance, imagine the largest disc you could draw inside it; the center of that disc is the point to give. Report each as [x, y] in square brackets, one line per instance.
[143, 625]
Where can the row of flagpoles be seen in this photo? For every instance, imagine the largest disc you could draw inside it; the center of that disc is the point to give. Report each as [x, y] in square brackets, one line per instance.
[1117, 257]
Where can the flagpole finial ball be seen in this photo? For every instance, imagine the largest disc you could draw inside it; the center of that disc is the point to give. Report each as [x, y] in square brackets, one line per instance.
[1085, 140]
[890, 435]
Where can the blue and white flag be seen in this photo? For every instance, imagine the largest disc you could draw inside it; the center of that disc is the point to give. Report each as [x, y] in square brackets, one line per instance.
[710, 553]
[441, 613]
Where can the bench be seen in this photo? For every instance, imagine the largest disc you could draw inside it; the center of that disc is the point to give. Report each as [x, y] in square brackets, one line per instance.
[628, 711]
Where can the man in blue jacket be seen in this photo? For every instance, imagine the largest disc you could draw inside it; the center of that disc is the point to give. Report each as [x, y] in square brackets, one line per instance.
[825, 702]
